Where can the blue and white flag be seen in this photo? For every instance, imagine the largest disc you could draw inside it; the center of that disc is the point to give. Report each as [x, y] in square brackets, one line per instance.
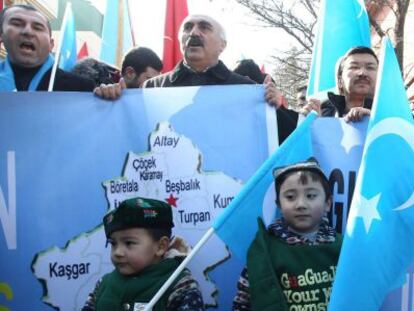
[342, 24]
[379, 242]
[237, 224]
[116, 32]
[68, 51]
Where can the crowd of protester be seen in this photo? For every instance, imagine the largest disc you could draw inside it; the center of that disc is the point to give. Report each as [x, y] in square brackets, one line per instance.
[142, 249]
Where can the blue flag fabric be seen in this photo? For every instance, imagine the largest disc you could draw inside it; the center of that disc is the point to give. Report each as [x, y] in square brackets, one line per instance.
[237, 224]
[68, 51]
[342, 24]
[7, 83]
[379, 241]
[111, 52]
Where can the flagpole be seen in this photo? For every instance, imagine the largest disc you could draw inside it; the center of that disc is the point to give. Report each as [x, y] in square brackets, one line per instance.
[130, 22]
[120, 41]
[59, 47]
[179, 269]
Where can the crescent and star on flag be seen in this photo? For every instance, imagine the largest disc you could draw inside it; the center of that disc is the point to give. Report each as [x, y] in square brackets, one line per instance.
[367, 208]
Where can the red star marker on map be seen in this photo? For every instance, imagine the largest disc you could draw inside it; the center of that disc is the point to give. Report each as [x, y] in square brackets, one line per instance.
[172, 201]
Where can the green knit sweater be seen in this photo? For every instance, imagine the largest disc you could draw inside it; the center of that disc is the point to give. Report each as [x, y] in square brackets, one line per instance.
[290, 277]
[118, 291]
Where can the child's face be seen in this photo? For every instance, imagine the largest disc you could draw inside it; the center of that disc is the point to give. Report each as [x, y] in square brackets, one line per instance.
[134, 249]
[303, 204]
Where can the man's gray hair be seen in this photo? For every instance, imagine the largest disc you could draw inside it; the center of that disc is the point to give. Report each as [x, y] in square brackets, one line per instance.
[215, 23]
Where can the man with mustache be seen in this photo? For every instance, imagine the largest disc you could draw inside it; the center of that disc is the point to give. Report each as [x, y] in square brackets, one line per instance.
[356, 79]
[202, 40]
[356, 76]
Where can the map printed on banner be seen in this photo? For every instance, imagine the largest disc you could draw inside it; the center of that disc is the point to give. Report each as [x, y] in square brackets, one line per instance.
[170, 171]
[66, 159]
[69, 158]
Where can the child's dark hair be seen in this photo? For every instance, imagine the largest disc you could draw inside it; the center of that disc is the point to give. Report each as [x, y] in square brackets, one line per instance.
[158, 233]
[303, 179]
[307, 169]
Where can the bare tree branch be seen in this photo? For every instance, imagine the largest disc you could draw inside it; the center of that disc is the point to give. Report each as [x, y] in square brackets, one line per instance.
[276, 14]
[292, 67]
[376, 27]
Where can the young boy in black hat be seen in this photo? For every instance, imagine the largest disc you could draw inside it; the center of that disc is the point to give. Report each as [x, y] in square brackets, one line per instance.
[291, 265]
[144, 256]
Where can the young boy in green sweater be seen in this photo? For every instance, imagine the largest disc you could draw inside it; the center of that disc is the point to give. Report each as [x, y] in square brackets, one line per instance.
[291, 265]
[144, 256]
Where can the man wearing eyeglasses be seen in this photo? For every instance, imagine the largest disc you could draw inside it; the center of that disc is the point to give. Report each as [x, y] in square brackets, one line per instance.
[356, 77]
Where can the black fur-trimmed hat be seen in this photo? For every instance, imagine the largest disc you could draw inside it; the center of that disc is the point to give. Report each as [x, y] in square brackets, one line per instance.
[139, 213]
